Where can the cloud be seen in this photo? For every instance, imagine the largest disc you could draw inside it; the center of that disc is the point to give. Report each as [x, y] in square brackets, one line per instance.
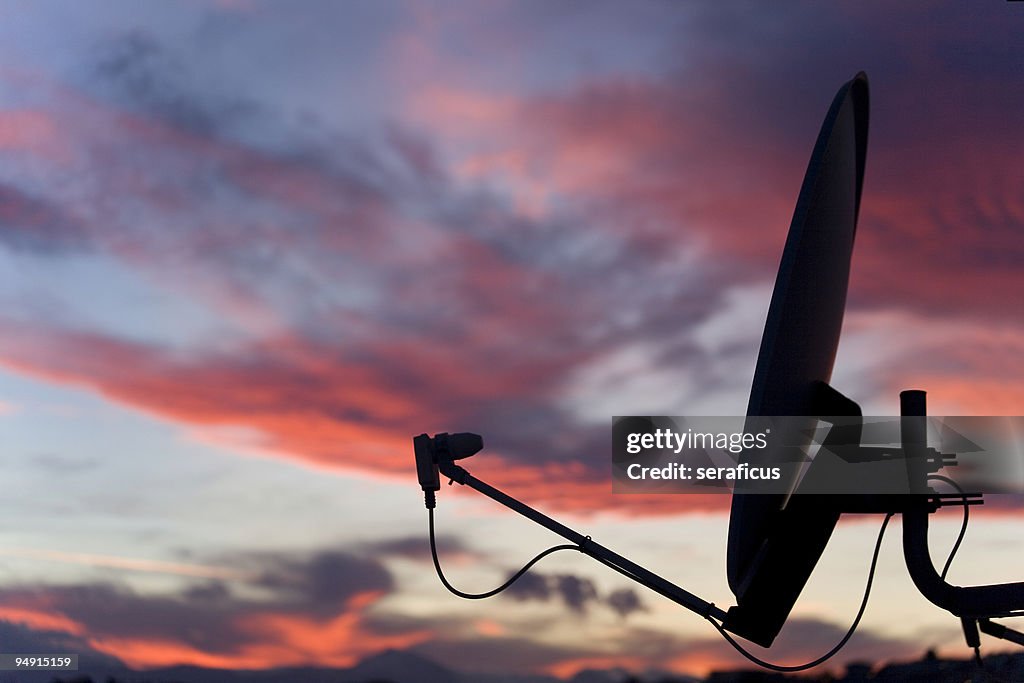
[267, 620]
[509, 654]
[644, 154]
[135, 69]
[124, 563]
[22, 639]
[967, 369]
[514, 251]
[575, 592]
[711, 150]
[31, 133]
[307, 402]
[325, 608]
[329, 353]
[531, 586]
[802, 640]
[56, 462]
[324, 583]
[641, 648]
[33, 224]
[417, 548]
[625, 601]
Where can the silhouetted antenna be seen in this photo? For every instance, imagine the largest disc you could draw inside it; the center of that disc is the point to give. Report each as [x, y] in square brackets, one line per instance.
[776, 540]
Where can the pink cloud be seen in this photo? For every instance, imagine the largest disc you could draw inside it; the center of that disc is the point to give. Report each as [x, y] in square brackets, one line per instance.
[34, 132]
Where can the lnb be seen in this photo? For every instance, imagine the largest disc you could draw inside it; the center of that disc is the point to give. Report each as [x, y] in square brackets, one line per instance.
[443, 447]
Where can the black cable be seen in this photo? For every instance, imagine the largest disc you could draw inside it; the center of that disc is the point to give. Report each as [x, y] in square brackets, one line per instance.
[828, 655]
[480, 596]
[963, 525]
[978, 661]
[739, 648]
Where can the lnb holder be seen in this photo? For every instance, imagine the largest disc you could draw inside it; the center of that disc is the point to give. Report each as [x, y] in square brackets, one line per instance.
[442, 448]
[436, 456]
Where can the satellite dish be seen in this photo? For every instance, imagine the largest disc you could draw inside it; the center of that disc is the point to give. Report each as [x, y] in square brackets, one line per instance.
[776, 539]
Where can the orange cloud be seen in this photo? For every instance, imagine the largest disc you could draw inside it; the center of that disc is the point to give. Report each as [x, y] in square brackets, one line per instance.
[273, 640]
[570, 667]
[306, 425]
[489, 627]
[40, 618]
[268, 638]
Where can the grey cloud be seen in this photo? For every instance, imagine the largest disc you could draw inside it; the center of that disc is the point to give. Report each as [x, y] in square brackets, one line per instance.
[38, 225]
[499, 654]
[417, 547]
[19, 638]
[531, 586]
[210, 615]
[625, 601]
[576, 593]
[323, 582]
[144, 75]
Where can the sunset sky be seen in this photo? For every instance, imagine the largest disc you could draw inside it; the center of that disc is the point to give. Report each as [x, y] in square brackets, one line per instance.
[249, 249]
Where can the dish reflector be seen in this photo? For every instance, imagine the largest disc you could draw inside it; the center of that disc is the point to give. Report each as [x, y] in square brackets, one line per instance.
[775, 540]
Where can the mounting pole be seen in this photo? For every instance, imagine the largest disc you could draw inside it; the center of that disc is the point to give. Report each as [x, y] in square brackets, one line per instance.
[995, 600]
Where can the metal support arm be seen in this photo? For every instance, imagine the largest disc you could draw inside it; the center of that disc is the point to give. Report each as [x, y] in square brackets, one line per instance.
[587, 546]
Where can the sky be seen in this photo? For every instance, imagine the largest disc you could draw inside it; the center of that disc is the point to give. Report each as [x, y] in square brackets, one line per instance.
[249, 249]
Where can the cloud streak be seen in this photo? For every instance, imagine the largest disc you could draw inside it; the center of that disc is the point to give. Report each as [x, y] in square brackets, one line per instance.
[127, 563]
[515, 242]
